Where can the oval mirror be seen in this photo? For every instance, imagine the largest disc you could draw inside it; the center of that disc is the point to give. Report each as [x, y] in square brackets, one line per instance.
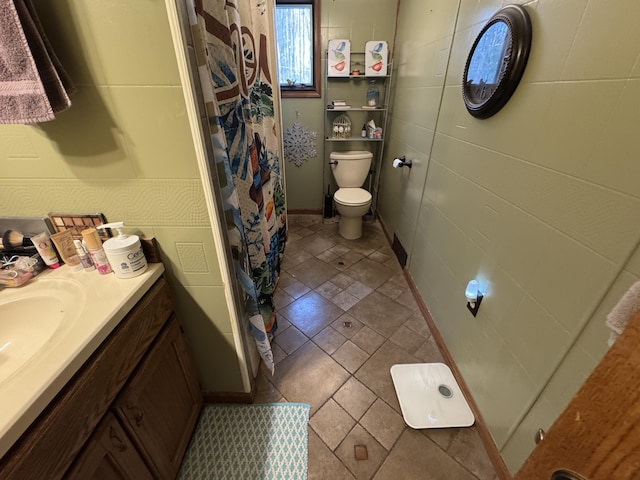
[496, 61]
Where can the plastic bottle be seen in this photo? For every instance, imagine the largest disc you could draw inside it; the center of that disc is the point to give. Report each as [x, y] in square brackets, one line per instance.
[363, 133]
[85, 259]
[373, 95]
[94, 246]
[124, 252]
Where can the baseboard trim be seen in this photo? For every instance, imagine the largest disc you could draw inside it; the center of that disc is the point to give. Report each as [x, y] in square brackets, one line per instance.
[230, 397]
[304, 211]
[490, 446]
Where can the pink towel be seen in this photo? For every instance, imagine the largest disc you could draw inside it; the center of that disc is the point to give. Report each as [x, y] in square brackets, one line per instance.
[33, 84]
[626, 308]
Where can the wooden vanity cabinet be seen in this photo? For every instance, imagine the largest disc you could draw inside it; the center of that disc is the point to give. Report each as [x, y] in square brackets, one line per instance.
[109, 455]
[159, 401]
[141, 374]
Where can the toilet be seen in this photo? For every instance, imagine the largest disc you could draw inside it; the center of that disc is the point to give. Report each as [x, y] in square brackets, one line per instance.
[350, 170]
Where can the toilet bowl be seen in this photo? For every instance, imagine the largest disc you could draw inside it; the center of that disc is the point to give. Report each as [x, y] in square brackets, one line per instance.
[350, 170]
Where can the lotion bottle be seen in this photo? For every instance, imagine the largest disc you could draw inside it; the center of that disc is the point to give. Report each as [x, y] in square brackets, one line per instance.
[94, 246]
[124, 253]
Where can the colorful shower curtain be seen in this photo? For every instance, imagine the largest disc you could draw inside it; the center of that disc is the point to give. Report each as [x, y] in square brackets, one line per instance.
[234, 43]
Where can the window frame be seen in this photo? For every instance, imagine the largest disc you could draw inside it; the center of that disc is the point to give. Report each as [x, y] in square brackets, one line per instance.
[313, 91]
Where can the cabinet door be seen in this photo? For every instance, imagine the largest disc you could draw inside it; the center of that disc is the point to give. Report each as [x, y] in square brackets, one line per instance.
[109, 455]
[160, 405]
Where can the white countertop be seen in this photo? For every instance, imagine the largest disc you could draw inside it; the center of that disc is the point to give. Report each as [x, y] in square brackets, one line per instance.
[103, 301]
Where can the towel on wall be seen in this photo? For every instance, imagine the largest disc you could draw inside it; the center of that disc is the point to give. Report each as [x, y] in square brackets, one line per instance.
[626, 308]
[33, 84]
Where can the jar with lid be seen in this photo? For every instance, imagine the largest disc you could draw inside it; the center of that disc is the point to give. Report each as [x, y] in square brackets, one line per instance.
[373, 95]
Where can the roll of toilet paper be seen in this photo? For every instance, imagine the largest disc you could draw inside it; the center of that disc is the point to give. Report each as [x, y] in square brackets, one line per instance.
[397, 163]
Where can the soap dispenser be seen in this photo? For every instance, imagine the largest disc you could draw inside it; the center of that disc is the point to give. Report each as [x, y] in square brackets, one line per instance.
[124, 252]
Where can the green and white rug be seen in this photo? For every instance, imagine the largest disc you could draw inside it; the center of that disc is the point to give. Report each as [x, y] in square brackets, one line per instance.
[252, 442]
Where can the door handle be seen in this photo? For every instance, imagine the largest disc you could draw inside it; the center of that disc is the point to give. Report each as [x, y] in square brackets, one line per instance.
[138, 414]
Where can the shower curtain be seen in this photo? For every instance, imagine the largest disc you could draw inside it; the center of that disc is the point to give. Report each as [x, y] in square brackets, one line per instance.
[234, 43]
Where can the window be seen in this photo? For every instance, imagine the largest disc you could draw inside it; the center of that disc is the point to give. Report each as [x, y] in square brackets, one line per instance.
[298, 36]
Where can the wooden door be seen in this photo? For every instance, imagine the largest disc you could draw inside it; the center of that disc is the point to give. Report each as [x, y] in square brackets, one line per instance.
[161, 404]
[109, 455]
[598, 434]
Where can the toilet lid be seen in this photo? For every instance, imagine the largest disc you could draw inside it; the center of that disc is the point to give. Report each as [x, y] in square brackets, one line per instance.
[352, 196]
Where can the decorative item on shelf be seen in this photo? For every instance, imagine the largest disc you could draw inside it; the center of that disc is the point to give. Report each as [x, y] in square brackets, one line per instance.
[339, 58]
[373, 95]
[373, 131]
[299, 143]
[341, 126]
[375, 57]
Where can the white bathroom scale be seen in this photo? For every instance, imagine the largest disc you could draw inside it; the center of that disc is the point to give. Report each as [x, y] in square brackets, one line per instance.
[430, 397]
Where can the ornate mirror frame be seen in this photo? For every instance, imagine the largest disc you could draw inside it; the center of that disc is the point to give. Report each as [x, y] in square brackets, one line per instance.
[501, 50]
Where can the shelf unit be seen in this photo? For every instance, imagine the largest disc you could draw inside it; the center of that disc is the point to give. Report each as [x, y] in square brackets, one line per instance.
[353, 89]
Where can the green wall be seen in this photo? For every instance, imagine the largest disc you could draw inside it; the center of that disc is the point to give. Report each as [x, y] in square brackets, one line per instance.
[124, 148]
[540, 202]
[359, 21]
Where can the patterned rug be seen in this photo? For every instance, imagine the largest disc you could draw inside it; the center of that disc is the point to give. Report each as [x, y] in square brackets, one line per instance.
[238, 442]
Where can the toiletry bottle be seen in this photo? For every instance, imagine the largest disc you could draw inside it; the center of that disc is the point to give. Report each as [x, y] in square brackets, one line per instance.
[85, 259]
[42, 242]
[124, 252]
[363, 133]
[94, 246]
[373, 94]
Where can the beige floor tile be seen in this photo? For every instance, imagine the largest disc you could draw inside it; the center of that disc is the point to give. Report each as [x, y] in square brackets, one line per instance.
[283, 324]
[375, 374]
[407, 299]
[362, 469]
[347, 325]
[441, 436]
[359, 290]
[296, 289]
[313, 272]
[368, 340]
[327, 256]
[311, 313]
[278, 353]
[407, 340]
[350, 258]
[342, 280]
[293, 258]
[265, 391]
[291, 339]
[332, 423]
[355, 398]
[384, 423]
[328, 290]
[309, 375]
[345, 300]
[323, 464]
[292, 236]
[418, 324]
[390, 289]
[339, 250]
[350, 356]
[393, 264]
[429, 352]
[371, 273]
[281, 299]
[329, 340]
[468, 449]
[416, 457]
[381, 313]
[380, 256]
[316, 244]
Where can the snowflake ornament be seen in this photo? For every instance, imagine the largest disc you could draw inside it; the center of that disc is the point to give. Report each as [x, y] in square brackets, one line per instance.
[299, 144]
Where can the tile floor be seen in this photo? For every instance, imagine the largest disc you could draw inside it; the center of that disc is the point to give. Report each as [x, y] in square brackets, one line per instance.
[346, 314]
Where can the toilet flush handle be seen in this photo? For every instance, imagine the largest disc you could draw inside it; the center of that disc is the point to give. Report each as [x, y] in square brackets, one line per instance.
[333, 162]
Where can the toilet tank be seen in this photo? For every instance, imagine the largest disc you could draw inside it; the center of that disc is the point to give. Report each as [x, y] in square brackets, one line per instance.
[352, 168]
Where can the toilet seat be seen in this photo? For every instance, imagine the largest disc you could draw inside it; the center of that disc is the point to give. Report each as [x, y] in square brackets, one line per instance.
[354, 197]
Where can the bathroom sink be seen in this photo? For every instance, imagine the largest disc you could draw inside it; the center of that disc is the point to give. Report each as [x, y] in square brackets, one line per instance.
[33, 317]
